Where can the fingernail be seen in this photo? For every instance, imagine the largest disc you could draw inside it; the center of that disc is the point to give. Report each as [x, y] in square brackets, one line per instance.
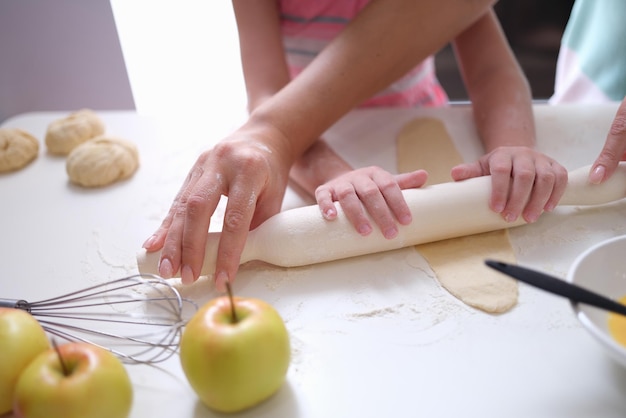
[597, 175]
[509, 217]
[165, 269]
[406, 219]
[498, 208]
[330, 214]
[186, 275]
[149, 242]
[532, 218]
[364, 229]
[391, 233]
[220, 281]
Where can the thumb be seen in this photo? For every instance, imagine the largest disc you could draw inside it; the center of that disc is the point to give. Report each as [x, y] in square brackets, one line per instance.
[411, 180]
[466, 171]
[614, 148]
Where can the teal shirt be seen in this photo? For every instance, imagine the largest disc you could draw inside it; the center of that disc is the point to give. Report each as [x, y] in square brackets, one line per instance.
[596, 32]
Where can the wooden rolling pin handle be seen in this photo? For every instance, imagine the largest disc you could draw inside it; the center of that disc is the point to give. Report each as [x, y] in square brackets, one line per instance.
[302, 236]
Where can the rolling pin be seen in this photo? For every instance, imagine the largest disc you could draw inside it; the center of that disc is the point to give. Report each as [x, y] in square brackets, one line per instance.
[301, 236]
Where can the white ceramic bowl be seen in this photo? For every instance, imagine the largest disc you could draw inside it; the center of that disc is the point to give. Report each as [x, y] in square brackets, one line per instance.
[601, 268]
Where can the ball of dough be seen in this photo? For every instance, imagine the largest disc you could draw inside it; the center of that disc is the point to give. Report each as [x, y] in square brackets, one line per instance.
[102, 161]
[17, 148]
[65, 134]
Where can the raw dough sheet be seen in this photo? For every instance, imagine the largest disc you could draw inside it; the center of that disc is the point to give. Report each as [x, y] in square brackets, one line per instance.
[458, 263]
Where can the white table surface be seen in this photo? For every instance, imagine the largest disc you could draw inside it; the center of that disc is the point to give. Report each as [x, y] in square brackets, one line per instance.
[372, 336]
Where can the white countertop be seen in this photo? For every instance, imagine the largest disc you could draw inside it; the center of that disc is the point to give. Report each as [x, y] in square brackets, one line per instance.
[372, 336]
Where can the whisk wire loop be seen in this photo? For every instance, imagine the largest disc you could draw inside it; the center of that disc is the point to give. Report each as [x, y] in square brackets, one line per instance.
[139, 318]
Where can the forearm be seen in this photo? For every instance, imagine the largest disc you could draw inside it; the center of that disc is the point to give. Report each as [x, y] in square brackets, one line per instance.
[318, 165]
[499, 92]
[262, 55]
[387, 39]
[503, 115]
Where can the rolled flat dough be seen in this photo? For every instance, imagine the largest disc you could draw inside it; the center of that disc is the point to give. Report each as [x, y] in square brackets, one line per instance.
[458, 263]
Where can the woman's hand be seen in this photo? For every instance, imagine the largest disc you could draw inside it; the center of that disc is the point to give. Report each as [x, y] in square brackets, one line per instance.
[524, 182]
[252, 175]
[372, 191]
[614, 149]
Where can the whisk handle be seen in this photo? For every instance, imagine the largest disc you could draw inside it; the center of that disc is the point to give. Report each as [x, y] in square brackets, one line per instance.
[15, 304]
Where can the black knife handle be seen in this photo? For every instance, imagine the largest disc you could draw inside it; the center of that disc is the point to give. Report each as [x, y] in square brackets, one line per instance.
[557, 286]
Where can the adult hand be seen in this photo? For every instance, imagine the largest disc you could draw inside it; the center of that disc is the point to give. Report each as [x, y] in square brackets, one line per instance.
[524, 182]
[252, 175]
[614, 149]
[372, 190]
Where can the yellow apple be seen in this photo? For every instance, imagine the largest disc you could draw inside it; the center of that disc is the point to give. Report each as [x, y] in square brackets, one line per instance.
[21, 340]
[79, 380]
[235, 363]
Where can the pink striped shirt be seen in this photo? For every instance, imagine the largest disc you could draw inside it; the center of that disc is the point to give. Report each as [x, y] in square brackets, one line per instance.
[308, 26]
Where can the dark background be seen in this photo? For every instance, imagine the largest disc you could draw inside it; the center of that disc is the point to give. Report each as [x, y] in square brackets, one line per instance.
[534, 29]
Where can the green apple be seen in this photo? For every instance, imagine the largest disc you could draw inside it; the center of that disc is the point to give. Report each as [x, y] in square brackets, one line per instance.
[235, 355]
[21, 340]
[74, 380]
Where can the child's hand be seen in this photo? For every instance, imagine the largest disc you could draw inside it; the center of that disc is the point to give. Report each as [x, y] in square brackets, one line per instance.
[372, 190]
[524, 182]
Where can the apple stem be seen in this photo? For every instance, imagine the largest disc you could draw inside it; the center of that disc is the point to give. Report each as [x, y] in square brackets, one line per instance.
[64, 368]
[229, 290]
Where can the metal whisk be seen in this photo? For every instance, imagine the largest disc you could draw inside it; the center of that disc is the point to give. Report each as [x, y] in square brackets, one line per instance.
[138, 318]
